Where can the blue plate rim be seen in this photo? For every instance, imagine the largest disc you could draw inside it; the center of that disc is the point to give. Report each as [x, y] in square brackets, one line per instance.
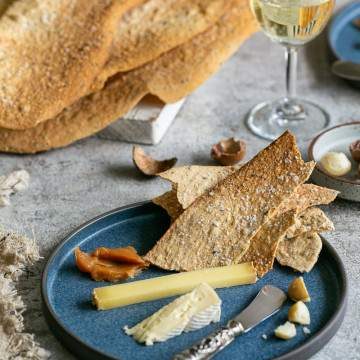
[309, 348]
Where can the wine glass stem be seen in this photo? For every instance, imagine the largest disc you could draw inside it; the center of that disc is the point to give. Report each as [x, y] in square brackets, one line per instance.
[289, 109]
[291, 57]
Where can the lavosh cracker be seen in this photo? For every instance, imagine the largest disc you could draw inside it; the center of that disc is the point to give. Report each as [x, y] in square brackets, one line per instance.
[309, 221]
[263, 245]
[217, 228]
[300, 253]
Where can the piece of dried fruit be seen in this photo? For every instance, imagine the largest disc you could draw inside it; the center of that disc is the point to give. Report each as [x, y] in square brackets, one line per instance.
[228, 151]
[299, 313]
[149, 166]
[297, 290]
[126, 255]
[286, 331]
[110, 264]
[335, 163]
[355, 150]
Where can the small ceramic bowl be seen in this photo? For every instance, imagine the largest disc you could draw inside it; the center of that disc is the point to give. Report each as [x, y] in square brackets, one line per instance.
[337, 138]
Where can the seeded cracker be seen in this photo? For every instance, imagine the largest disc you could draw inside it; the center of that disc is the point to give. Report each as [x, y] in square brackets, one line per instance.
[193, 181]
[300, 253]
[264, 244]
[51, 52]
[199, 179]
[217, 228]
[171, 76]
[156, 26]
[309, 221]
[308, 195]
[170, 203]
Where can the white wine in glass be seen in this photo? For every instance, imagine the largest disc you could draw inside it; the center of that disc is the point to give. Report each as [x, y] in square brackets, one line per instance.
[291, 23]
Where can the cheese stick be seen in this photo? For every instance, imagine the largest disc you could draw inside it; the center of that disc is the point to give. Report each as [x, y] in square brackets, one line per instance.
[109, 297]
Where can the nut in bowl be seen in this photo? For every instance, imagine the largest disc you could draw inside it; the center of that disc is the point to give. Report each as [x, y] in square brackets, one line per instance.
[333, 150]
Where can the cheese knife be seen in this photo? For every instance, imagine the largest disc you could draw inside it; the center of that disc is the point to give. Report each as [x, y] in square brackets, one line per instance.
[266, 303]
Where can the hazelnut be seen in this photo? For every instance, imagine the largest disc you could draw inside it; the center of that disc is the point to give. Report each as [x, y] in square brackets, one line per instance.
[297, 290]
[286, 331]
[335, 163]
[228, 151]
[149, 166]
[355, 150]
[299, 313]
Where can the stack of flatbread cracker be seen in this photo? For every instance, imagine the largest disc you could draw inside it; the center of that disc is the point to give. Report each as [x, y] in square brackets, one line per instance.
[258, 212]
[71, 67]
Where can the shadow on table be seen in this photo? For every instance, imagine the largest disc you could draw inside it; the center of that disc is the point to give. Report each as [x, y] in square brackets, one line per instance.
[128, 172]
[203, 159]
[319, 58]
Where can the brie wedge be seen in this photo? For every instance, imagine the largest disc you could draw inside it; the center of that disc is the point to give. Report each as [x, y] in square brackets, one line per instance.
[189, 312]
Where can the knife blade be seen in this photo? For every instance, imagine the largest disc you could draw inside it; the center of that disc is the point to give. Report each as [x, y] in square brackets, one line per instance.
[266, 303]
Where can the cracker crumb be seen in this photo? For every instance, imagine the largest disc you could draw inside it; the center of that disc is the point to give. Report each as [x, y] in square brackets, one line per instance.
[264, 336]
[306, 330]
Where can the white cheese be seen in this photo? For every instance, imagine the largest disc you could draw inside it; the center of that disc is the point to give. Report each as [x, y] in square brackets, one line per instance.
[187, 313]
[286, 331]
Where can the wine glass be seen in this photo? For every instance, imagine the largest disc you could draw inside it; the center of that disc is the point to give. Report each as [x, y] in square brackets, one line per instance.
[291, 23]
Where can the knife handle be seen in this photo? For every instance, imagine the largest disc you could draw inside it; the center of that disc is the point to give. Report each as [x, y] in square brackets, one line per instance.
[212, 344]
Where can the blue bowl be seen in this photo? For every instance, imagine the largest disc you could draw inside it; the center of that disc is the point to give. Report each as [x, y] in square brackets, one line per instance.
[344, 37]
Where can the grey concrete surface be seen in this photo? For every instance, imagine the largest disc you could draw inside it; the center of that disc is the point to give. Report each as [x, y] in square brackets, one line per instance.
[72, 185]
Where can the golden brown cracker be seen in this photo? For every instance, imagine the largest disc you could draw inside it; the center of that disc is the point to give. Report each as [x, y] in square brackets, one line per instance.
[170, 77]
[300, 253]
[85, 117]
[217, 228]
[263, 245]
[193, 181]
[51, 52]
[308, 195]
[155, 27]
[170, 203]
[309, 221]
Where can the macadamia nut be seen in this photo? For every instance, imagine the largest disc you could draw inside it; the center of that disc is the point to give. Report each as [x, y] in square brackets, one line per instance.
[335, 163]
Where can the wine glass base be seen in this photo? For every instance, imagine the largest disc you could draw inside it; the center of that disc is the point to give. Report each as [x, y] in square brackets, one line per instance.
[269, 121]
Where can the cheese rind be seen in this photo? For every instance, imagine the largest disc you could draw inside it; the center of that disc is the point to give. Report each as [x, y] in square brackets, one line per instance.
[187, 313]
[109, 297]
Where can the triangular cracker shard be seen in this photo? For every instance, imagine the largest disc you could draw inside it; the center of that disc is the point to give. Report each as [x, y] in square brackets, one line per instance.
[217, 228]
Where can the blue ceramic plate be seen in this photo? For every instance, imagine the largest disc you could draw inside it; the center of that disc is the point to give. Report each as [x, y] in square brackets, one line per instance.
[344, 37]
[92, 334]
